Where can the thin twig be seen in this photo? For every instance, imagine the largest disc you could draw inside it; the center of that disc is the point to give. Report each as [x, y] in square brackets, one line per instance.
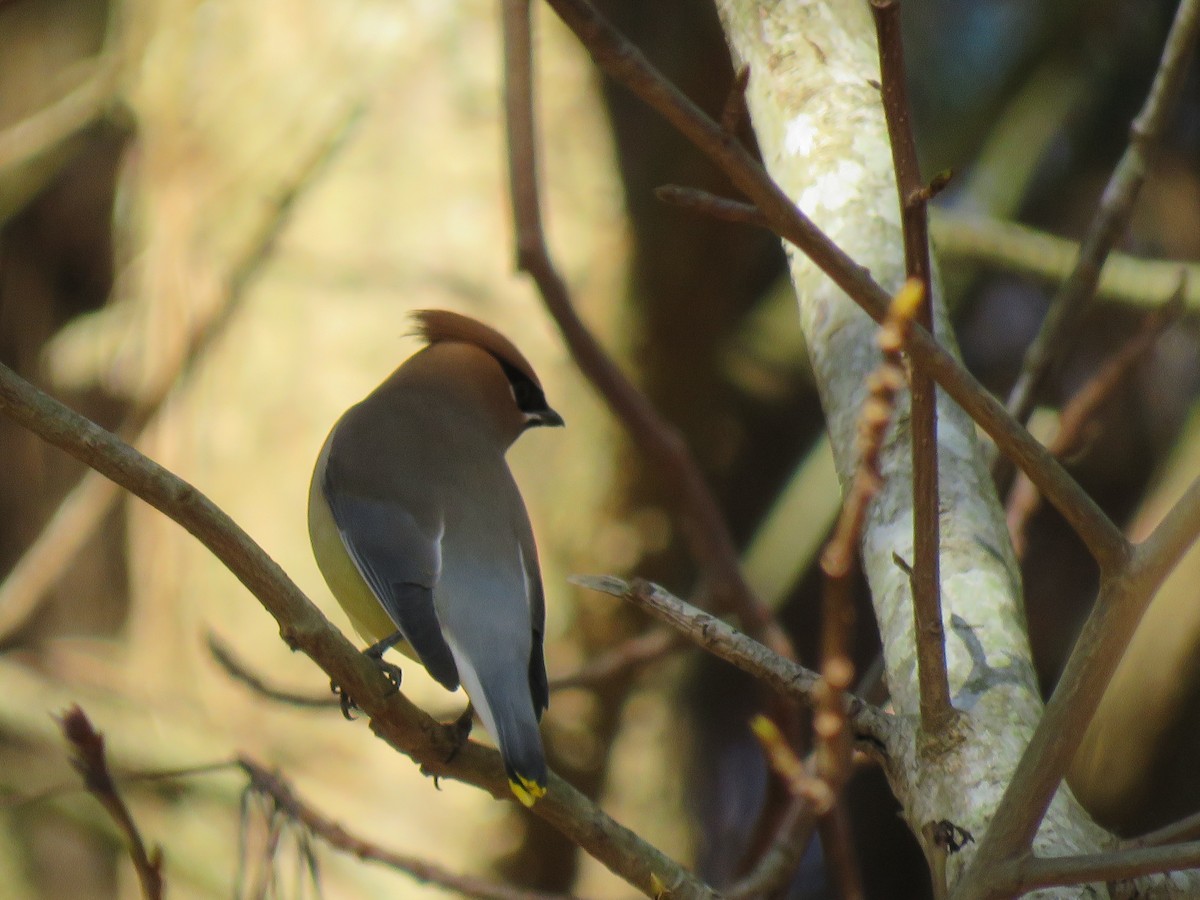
[303, 627]
[1059, 330]
[91, 762]
[700, 201]
[279, 792]
[239, 671]
[83, 509]
[625, 63]
[841, 552]
[933, 681]
[725, 642]
[638, 651]
[1080, 411]
[708, 537]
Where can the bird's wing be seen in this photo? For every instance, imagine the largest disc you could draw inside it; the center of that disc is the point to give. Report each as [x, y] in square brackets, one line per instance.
[400, 564]
[538, 683]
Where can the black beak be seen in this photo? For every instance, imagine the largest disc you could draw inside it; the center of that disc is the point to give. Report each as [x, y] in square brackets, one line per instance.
[547, 417]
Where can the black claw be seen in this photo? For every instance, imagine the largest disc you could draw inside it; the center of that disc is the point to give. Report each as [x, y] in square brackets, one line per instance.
[392, 673]
[348, 705]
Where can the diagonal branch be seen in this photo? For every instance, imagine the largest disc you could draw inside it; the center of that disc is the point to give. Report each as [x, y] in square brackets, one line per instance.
[725, 642]
[303, 627]
[1116, 206]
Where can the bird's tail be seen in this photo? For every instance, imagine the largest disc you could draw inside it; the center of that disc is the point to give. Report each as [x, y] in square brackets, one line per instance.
[503, 699]
[520, 744]
[514, 726]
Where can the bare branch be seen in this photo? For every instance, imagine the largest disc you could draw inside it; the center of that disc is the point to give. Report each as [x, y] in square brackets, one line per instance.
[1035, 872]
[91, 762]
[725, 642]
[926, 579]
[239, 671]
[1122, 601]
[1080, 411]
[1116, 206]
[283, 797]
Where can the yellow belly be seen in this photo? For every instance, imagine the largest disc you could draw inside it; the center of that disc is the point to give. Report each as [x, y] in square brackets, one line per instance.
[366, 613]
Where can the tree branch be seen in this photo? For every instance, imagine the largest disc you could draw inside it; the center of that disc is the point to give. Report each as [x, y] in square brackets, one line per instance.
[724, 642]
[926, 577]
[303, 627]
[1058, 331]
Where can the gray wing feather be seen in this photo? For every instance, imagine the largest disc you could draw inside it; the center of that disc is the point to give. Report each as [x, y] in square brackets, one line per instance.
[400, 565]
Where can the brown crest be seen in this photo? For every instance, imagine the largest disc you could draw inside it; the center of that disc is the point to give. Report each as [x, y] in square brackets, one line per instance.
[436, 325]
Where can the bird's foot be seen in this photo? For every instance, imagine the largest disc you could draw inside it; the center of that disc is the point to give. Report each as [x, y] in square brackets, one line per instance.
[393, 673]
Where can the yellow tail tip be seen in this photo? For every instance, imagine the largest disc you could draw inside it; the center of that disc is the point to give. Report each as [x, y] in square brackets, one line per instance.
[528, 792]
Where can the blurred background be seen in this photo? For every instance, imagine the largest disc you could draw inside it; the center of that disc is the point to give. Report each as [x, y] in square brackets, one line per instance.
[214, 219]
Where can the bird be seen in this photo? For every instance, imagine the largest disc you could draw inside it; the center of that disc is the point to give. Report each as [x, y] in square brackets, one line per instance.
[422, 535]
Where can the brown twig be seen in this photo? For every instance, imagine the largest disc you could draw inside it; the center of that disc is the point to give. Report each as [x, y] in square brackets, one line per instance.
[838, 557]
[303, 627]
[634, 653]
[625, 63]
[1080, 411]
[708, 204]
[84, 508]
[722, 640]
[283, 799]
[1059, 328]
[932, 677]
[239, 671]
[91, 762]
[711, 545]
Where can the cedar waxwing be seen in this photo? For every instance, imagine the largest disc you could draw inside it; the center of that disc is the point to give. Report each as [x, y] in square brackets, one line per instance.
[422, 535]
